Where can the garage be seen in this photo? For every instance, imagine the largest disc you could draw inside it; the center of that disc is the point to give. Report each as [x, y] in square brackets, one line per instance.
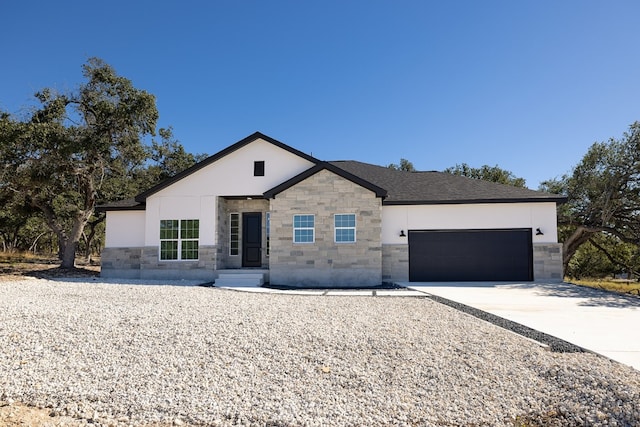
[470, 255]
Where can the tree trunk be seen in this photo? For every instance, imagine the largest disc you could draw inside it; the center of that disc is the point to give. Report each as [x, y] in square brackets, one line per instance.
[53, 224]
[62, 246]
[617, 262]
[34, 246]
[92, 233]
[573, 242]
[69, 256]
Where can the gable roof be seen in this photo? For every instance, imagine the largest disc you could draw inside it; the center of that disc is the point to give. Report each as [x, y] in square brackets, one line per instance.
[142, 197]
[394, 186]
[422, 188]
[380, 192]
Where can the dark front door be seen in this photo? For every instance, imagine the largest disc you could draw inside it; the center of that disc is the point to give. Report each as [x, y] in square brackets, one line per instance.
[251, 239]
[465, 255]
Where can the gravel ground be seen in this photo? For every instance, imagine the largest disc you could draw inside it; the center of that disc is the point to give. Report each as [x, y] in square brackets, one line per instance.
[554, 343]
[113, 354]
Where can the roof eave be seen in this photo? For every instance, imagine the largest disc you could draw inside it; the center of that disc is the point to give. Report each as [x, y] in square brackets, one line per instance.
[107, 208]
[557, 200]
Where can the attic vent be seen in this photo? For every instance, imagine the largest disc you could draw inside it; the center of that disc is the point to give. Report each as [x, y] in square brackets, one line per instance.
[258, 168]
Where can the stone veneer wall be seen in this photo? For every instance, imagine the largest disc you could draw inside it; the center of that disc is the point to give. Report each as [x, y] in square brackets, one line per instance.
[395, 263]
[129, 263]
[144, 263]
[324, 262]
[228, 206]
[120, 262]
[547, 261]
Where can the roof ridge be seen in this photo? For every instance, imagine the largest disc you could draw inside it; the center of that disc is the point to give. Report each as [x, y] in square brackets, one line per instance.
[439, 187]
[217, 156]
[356, 179]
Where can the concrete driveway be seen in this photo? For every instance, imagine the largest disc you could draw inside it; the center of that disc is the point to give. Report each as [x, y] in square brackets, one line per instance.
[603, 322]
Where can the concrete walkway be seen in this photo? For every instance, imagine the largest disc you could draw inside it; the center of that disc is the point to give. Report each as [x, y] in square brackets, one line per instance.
[603, 322]
[329, 292]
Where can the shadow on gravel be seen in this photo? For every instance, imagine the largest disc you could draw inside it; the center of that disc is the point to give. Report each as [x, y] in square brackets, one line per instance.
[47, 271]
[131, 282]
[383, 286]
[58, 273]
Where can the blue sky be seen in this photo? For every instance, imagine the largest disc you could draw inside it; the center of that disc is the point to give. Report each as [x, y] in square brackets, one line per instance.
[526, 85]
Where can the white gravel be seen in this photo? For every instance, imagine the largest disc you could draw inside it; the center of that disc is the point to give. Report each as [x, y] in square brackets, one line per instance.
[133, 355]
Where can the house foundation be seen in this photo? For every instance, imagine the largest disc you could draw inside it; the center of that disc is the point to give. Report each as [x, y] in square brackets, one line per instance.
[547, 262]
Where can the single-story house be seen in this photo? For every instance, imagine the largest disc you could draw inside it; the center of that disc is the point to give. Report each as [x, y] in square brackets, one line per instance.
[261, 206]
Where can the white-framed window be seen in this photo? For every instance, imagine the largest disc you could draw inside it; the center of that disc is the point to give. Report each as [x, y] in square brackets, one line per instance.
[303, 228]
[234, 234]
[179, 239]
[345, 228]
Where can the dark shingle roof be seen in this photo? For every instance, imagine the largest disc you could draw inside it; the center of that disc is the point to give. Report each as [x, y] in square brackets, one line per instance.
[404, 188]
[122, 205]
[395, 187]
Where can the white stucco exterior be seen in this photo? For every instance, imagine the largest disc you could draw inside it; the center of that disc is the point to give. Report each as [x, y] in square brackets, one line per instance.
[234, 175]
[195, 196]
[125, 229]
[226, 183]
[203, 208]
[469, 216]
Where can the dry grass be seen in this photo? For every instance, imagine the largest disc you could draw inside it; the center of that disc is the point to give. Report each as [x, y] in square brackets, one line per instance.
[614, 285]
[18, 265]
[26, 257]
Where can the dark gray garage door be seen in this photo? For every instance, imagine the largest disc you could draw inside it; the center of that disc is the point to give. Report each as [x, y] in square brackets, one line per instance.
[470, 255]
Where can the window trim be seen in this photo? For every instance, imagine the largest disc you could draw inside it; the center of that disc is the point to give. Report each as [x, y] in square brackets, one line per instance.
[258, 168]
[313, 229]
[267, 223]
[176, 239]
[189, 239]
[179, 240]
[336, 228]
[231, 234]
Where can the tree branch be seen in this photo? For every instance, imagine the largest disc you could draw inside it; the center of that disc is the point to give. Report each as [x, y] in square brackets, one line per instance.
[611, 258]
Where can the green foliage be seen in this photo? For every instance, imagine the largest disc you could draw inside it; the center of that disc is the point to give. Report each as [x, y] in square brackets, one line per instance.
[404, 165]
[59, 158]
[590, 262]
[76, 150]
[168, 158]
[487, 173]
[602, 256]
[14, 216]
[603, 193]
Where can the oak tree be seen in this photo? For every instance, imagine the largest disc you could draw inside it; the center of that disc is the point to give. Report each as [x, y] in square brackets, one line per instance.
[603, 196]
[404, 165]
[487, 173]
[60, 156]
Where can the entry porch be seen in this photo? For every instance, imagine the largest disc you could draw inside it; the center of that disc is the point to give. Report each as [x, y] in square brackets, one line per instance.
[243, 233]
